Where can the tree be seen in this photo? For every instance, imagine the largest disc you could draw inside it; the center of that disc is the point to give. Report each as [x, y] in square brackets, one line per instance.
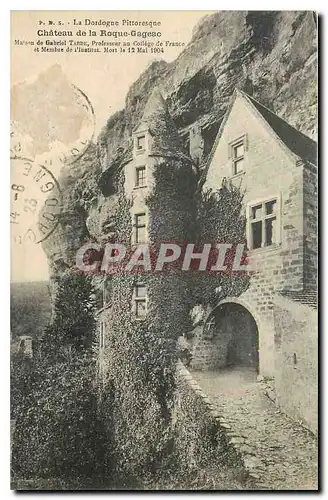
[59, 434]
[58, 431]
[74, 310]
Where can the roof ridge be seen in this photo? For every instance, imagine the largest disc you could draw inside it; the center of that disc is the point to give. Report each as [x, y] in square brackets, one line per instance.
[296, 143]
[247, 96]
[299, 145]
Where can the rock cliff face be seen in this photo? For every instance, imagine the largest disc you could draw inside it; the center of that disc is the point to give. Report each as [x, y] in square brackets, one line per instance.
[270, 55]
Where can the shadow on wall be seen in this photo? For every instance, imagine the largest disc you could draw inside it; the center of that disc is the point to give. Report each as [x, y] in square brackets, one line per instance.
[229, 339]
[296, 380]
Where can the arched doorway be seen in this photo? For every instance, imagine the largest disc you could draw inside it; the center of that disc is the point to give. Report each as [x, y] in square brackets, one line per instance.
[235, 337]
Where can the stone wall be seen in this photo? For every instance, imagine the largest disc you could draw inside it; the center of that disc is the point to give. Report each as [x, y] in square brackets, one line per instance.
[202, 436]
[310, 227]
[270, 171]
[208, 354]
[296, 380]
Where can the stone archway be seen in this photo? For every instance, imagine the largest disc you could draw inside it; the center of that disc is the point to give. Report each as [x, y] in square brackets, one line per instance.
[234, 336]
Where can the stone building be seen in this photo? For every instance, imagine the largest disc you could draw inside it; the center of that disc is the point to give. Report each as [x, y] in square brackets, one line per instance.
[263, 328]
[155, 141]
[276, 166]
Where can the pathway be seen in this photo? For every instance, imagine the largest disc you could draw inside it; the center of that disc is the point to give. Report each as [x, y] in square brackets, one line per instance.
[278, 452]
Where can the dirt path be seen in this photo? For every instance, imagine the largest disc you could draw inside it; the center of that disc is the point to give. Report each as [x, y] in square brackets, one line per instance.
[279, 453]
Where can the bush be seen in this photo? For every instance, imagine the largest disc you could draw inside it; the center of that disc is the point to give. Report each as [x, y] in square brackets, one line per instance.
[58, 432]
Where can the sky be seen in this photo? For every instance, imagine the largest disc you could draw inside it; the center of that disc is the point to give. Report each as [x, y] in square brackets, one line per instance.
[104, 78]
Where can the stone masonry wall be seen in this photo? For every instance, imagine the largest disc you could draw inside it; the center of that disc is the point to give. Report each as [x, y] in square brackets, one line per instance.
[296, 381]
[210, 354]
[310, 227]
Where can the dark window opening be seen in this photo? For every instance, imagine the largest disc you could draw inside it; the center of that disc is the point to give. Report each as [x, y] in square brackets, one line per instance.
[257, 235]
[238, 158]
[140, 298]
[270, 207]
[140, 176]
[141, 143]
[270, 225]
[263, 224]
[257, 211]
[140, 228]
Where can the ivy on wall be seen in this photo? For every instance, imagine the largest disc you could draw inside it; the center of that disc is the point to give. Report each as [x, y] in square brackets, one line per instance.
[220, 219]
[137, 396]
[141, 356]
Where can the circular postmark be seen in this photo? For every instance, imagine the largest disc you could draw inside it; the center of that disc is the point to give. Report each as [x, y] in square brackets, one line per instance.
[53, 121]
[36, 202]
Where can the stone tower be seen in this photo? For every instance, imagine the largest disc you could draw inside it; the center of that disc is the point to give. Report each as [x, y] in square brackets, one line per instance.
[157, 187]
[154, 140]
[155, 145]
[147, 311]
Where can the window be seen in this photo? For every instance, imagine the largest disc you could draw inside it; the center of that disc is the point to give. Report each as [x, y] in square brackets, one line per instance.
[140, 300]
[140, 228]
[141, 143]
[102, 335]
[263, 228]
[140, 176]
[238, 158]
[25, 346]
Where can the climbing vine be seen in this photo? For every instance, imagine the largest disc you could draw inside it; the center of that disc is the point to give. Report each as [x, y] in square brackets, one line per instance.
[220, 219]
[142, 356]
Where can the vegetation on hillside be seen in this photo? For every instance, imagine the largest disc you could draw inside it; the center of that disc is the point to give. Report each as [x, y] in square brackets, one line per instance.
[58, 433]
[127, 431]
[30, 308]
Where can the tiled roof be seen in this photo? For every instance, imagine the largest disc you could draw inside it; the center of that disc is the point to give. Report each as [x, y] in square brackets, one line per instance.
[298, 143]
